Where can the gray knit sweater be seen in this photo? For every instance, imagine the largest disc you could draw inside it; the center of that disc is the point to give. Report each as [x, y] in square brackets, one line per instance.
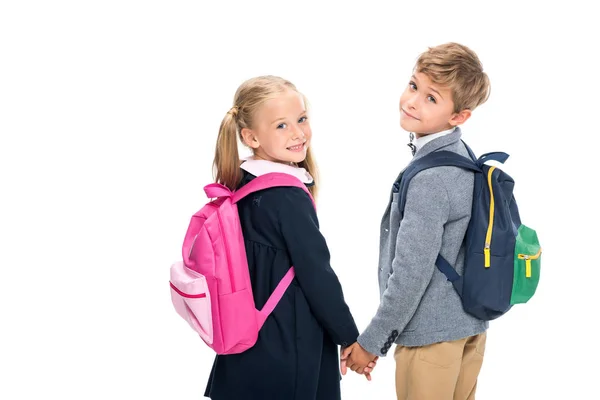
[418, 305]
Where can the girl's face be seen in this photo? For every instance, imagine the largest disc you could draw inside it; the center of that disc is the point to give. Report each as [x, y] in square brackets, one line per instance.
[281, 132]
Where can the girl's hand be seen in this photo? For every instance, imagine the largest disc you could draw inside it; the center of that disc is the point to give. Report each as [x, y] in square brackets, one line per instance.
[369, 368]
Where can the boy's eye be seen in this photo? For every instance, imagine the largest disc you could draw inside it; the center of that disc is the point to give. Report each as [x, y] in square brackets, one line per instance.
[281, 126]
[431, 99]
[412, 85]
[302, 119]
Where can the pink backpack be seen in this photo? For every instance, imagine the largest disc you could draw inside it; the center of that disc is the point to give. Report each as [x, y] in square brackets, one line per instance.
[211, 287]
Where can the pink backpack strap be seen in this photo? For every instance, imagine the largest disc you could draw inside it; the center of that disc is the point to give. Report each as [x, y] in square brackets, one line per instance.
[273, 179]
[275, 297]
[266, 181]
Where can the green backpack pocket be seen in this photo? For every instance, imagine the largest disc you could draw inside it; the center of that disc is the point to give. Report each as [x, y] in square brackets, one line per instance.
[528, 255]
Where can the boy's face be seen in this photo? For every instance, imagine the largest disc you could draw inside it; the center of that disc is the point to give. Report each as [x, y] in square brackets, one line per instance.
[427, 108]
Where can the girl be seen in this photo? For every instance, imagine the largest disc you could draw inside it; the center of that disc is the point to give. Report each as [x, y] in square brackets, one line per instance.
[296, 355]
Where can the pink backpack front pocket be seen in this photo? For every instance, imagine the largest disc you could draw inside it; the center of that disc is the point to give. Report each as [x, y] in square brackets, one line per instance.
[191, 299]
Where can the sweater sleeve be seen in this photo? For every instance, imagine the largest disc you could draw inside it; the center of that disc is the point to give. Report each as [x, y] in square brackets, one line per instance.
[310, 257]
[417, 246]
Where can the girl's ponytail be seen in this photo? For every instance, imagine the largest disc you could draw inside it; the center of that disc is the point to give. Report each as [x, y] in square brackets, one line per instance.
[226, 164]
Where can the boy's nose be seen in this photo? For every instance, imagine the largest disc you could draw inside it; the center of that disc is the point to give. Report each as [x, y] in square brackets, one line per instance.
[410, 103]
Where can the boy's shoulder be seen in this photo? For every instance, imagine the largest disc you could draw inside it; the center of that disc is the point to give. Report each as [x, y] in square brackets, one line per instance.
[457, 147]
[453, 180]
[456, 182]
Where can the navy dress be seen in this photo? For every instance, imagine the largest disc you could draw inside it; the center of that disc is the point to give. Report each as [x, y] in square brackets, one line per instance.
[296, 356]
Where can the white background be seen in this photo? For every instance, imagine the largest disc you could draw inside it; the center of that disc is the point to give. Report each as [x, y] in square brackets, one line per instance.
[109, 113]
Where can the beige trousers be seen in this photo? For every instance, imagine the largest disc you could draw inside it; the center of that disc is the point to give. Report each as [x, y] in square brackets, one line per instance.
[440, 371]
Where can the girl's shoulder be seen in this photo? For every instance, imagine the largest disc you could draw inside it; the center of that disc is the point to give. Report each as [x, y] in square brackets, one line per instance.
[283, 198]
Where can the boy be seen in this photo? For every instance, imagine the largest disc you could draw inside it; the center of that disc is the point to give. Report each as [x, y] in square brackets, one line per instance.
[439, 347]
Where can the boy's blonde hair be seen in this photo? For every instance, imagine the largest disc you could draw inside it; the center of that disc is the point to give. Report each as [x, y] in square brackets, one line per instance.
[457, 67]
[249, 97]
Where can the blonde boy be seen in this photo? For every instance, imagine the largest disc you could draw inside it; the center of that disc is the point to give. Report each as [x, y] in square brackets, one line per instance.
[439, 347]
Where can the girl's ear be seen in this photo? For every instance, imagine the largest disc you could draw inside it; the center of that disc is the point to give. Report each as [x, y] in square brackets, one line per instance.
[250, 139]
[460, 117]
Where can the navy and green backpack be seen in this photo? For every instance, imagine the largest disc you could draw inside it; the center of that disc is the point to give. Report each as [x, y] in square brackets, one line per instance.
[502, 256]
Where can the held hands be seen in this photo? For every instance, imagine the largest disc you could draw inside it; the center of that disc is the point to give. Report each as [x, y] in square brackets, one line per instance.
[358, 360]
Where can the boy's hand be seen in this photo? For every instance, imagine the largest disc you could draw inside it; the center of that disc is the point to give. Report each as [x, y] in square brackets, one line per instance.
[358, 360]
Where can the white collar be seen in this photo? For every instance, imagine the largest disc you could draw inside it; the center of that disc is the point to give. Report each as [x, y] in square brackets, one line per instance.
[420, 142]
[262, 167]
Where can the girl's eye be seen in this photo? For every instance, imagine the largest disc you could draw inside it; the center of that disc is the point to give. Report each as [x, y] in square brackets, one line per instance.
[281, 126]
[431, 99]
[412, 85]
[301, 120]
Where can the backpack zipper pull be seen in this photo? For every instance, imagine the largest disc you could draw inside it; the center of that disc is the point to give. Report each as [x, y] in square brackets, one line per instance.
[528, 259]
[486, 254]
[527, 266]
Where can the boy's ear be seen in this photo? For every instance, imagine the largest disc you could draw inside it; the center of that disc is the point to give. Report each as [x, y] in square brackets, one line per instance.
[460, 118]
[249, 138]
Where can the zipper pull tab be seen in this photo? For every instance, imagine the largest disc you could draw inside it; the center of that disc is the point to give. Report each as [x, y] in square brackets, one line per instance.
[486, 254]
[527, 266]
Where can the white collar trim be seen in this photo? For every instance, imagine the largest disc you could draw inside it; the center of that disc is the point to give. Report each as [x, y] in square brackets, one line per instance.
[262, 167]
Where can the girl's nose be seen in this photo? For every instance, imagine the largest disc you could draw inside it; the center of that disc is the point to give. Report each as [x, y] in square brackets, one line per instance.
[298, 133]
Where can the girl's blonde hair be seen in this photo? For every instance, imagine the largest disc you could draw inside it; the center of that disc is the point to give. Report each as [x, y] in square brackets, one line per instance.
[456, 66]
[249, 97]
